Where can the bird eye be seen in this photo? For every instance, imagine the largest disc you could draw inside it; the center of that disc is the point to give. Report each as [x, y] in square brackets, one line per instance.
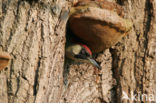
[80, 56]
[84, 52]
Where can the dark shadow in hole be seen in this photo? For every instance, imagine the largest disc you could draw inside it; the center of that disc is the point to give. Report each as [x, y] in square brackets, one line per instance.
[120, 2]
[31, 1]
[67, 61]
[70, 37]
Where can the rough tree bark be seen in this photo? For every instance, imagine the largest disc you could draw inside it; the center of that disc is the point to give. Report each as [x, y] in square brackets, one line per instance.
[33, 32]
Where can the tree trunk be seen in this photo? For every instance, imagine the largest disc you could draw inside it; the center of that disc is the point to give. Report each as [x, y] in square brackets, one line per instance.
[33, 32]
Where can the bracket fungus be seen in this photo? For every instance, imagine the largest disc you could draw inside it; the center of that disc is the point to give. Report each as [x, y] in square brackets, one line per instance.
[4, 60]
[99, 24]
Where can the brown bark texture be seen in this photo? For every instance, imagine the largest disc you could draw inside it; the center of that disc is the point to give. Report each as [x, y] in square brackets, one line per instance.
[33, 33]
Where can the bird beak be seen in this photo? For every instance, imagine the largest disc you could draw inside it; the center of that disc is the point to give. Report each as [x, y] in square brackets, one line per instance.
[92, 61]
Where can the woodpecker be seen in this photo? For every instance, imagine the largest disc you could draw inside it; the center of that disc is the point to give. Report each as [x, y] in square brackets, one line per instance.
[80, 53]
[99, 25]
[4, 60]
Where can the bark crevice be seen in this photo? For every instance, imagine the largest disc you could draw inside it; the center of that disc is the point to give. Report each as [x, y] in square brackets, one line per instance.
[36, 83]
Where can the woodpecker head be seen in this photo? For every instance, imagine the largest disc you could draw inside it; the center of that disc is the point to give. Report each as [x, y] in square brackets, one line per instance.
[80, 53]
